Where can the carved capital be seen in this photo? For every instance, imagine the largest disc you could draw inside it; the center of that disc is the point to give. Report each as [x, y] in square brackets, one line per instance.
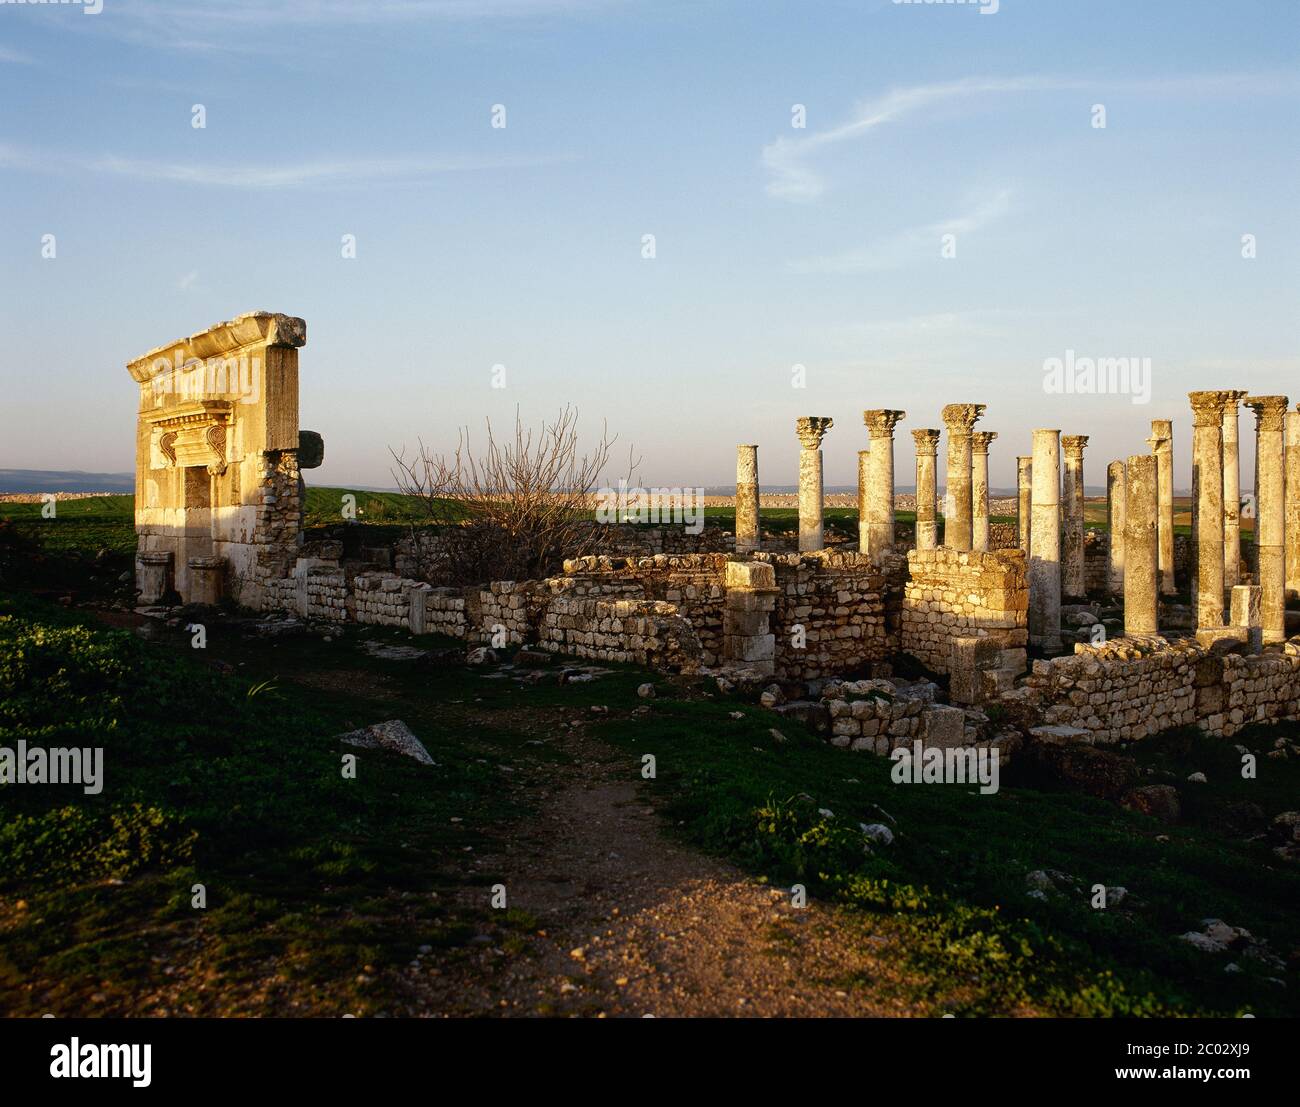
[981, 440]
[1073, 445]
[960, 418]
[1270, 412]
[811, 429]
[1207, 407]
[927, 441]
[1231, 398]
[881, 422]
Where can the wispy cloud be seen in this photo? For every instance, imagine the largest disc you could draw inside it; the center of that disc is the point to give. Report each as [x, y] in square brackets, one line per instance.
[790, 162]
[14, 57]
[188, 281]
[295, 175]
[914, 244]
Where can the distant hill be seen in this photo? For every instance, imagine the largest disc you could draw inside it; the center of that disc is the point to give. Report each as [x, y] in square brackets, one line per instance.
[53, 480]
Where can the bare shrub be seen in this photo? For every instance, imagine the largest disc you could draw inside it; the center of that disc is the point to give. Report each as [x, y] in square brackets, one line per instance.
[511, 509]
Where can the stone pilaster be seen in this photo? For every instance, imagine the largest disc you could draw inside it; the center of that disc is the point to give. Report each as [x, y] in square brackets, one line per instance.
[1045, 544]
[1293, 504]
[1141, 568]
[1073, 581]
[747, 527]
[927, 450]
[811, 429]
[1270, 511]
[1231, 490]
[1207, 511]
[979, 444]
[1115, 514]
[1162, 445]
[959, 420]
[880, 480]
[1024, 500]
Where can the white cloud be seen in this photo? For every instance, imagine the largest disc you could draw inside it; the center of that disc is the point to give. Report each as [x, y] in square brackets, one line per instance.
[189, 280]
[914, 244]
[792, 176]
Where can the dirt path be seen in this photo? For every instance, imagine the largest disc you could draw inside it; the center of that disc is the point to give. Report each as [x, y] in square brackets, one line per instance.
[631, 924]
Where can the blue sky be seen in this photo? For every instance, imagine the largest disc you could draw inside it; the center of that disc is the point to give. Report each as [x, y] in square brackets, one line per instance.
[775, 246]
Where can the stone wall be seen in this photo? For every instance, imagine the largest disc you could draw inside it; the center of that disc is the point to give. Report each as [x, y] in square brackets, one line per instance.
[952, 594]
[1130, 688]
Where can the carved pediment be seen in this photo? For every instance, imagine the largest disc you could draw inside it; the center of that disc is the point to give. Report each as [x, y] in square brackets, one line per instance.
[190, 434]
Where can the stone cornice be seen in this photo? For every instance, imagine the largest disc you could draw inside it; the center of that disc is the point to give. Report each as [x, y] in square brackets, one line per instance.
[248, 331]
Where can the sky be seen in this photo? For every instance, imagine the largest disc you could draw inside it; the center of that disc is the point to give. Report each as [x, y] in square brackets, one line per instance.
[775, 246]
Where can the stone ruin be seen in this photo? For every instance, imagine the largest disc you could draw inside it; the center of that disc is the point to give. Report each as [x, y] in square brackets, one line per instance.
[219, 516]
[218, 458]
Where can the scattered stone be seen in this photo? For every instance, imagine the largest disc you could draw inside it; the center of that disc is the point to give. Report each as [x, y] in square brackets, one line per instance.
[646, 691]
[1197, 778]
[878, 833]
[481, 655]
[393, 735]
[1160, 801]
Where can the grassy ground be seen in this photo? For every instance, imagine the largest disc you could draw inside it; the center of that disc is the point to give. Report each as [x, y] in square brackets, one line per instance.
[320, 887]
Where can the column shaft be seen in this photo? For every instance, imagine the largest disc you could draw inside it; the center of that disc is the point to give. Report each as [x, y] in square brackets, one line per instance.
[1073, 580]
[1162, 445]
[1293, 505]
[747, 527]
[880, 480]
[1045, 544]
[980, 442]
[1207, 510]
[927, 449]
[1270, 512]
[811, 429]
[959, 419]
[1231, 491]
[1116, 479]
[1141, 567]
[1024, 500]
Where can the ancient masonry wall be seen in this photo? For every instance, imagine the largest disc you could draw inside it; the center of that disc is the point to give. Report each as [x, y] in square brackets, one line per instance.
[953, 594]
[834, 603]
[1131, 688]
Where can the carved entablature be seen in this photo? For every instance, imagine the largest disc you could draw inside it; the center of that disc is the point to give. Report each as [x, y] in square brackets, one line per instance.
[190, 434]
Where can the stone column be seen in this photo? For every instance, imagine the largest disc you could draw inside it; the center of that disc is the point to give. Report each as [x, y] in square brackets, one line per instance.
[747, 532]
[927, 450]
[1207, 511]
[1270, 512]
[1073, 581]
[979, 444]
[1115, 514]
[959, 419]
[864, 501]
[1141, 567]
[880, 479]
[1045, 544]
[1293, 504]
[811, 429]
[1162, 445]
[1024, 499]
[1231, 491]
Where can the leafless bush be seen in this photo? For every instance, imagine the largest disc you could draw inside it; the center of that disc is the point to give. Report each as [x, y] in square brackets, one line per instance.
[508, 510]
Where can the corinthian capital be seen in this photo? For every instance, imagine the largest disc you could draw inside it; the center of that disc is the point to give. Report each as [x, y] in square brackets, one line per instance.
[811, 429]
[881, 422]
[1270, 411]
[1207, 407]
[980, 441]
[960, 418]
[1073, 445]
[927, 440]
